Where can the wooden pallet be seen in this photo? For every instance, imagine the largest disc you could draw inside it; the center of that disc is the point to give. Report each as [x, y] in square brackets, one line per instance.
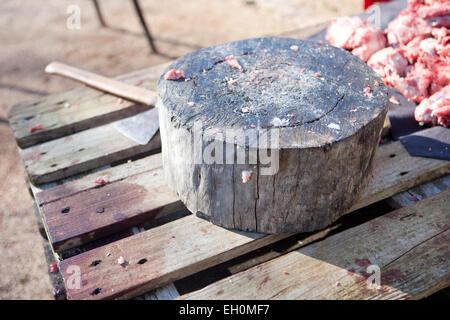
[135, 216]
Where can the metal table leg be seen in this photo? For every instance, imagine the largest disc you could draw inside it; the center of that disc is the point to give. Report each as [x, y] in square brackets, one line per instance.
[144, 25]
[99, 13]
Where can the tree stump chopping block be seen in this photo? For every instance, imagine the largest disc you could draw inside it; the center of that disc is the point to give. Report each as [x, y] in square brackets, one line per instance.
[272, 135]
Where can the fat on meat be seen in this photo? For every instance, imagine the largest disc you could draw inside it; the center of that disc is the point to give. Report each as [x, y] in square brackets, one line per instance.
[435, 12]
[407, 26]
[365, 41]
[390, 63]
[443, 42]
[341, 29]
[414, 85]
[435, 109]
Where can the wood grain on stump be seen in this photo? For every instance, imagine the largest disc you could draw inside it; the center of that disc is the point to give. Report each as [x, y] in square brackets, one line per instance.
[283, 141]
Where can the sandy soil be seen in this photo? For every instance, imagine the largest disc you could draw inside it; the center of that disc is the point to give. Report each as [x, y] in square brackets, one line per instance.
[35, 32]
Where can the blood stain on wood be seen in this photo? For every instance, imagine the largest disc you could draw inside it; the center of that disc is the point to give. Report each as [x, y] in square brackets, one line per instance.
[363, 262]
[263, 282]
[351, 272]
[390, 276]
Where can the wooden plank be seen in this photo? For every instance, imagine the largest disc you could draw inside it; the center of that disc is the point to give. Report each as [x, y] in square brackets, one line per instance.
[58, 194]
[172, 251]
[100, 211]
[167, 292]
[204, 244]
[112, 174]
[80, 152]
[420, 192]
[396, 171]
[76, 110]
[409, 246]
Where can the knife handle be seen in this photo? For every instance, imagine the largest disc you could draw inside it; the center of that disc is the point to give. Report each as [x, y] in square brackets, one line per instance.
[109, 85]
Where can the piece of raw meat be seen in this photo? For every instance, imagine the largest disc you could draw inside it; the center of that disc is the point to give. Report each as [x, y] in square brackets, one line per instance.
[341, 29]
[174, 74]
[406, 27]
[390, 63]
[439, 68]
[435, 109]
[353, 33]
[427, 9]
[365, 41]
[435, 12]
[417, 61]
[443, 42]
[414, 85]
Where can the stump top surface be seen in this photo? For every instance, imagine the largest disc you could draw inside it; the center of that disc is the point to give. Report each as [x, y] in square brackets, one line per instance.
[314, 92]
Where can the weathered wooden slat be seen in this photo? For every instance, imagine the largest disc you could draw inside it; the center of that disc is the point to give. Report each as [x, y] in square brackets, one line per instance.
[101, 211]
[409, 246]
[80, 152]
[76, 110]
[170, 264]
[420, 192]
[167, 292]
[171, 251]
[60, 195]
[396, 171]
[112, 174]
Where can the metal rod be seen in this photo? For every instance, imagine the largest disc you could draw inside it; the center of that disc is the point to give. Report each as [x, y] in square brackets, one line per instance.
[99, 13]
[144, 25]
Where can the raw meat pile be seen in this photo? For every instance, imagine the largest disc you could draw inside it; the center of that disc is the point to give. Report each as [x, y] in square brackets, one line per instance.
[353, 33]
[412, 55]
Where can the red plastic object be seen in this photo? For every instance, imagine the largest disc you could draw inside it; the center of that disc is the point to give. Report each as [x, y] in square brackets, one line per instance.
[368, 3]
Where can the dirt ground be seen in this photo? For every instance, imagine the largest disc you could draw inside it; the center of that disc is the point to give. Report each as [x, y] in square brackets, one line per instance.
[34, 33]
